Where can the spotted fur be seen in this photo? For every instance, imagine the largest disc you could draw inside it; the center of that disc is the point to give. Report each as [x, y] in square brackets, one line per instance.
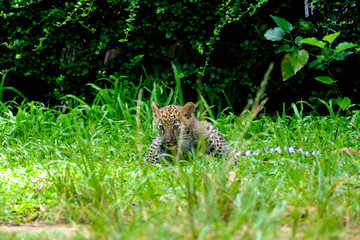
[179, 131]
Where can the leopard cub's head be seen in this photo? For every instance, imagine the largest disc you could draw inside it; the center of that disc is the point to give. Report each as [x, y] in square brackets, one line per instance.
[172, 119]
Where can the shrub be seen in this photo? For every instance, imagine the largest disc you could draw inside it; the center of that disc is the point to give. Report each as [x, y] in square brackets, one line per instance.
[215, 45]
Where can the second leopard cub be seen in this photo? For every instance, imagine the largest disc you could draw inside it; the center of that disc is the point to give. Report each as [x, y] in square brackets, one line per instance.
[179, 131]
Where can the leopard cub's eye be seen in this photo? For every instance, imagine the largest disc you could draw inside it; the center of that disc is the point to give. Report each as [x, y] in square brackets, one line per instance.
[161, 127]
[176, 127]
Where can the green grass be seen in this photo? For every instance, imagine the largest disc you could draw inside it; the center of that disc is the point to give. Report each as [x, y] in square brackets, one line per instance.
[87, 167]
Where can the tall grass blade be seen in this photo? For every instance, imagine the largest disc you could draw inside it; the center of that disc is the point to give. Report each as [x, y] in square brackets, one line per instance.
[178, 91]
[3, 88]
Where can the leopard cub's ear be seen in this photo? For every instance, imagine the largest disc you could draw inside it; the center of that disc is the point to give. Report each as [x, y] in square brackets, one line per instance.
[155, 109]
[188, 110]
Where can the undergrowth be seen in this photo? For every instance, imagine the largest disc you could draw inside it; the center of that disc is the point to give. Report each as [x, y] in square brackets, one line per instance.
[86, 166]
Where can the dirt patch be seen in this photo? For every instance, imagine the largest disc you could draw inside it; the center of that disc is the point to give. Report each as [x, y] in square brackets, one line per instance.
[59, 231]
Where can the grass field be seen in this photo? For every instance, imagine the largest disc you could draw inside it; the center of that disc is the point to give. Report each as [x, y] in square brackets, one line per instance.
[86, 167]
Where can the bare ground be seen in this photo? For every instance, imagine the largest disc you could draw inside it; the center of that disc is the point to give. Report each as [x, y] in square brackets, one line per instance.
[42, 231]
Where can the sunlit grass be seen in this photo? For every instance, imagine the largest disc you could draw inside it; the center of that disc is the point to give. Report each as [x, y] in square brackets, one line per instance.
[87, 166]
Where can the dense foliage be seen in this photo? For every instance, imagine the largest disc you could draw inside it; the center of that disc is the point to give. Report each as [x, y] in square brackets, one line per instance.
[217, 47]
[296, 56]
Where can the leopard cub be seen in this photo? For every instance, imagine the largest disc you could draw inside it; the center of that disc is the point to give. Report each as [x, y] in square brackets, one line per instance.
[179, 131]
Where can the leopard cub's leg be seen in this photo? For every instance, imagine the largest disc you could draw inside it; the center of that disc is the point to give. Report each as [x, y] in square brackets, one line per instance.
[155, 150]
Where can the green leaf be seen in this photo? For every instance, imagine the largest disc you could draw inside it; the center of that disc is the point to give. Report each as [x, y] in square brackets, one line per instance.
[343, 46]
[343, 103]
[327, 53]
[287, 70]
[299, 59]
[313, 41]
[331, 37]
[298, 40]
[320, 57]
[341, 55]
[314, 64]
[274, 34]
[283, 24]
[320, 67]
[325, 79]
[168, 34]
[283, 48]
[293, 62]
